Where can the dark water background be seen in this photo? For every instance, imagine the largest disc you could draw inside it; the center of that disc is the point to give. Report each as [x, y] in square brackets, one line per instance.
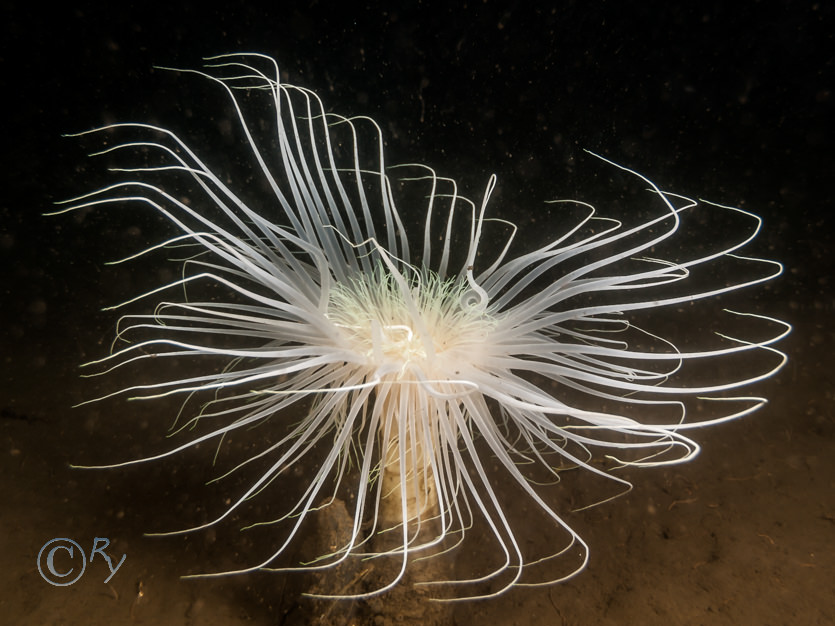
[731, 103]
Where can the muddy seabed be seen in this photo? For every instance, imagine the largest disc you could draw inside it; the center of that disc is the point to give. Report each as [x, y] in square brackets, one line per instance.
[743, 534]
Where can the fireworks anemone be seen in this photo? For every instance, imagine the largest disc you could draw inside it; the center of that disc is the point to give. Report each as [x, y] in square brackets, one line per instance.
[403, 361]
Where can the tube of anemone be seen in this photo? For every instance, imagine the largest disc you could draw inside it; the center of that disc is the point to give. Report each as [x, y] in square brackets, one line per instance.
[433, 386]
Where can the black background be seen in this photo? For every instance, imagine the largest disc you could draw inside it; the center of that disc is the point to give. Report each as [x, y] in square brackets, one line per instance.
[728, 101]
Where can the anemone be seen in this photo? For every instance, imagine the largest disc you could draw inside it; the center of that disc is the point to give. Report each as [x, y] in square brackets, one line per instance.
[404, 349]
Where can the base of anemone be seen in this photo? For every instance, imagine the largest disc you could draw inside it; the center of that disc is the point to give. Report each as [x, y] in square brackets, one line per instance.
[405, 603]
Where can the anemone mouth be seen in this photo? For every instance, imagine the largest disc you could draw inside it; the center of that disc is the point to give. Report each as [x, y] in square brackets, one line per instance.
[407, 374]
[420, 329]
